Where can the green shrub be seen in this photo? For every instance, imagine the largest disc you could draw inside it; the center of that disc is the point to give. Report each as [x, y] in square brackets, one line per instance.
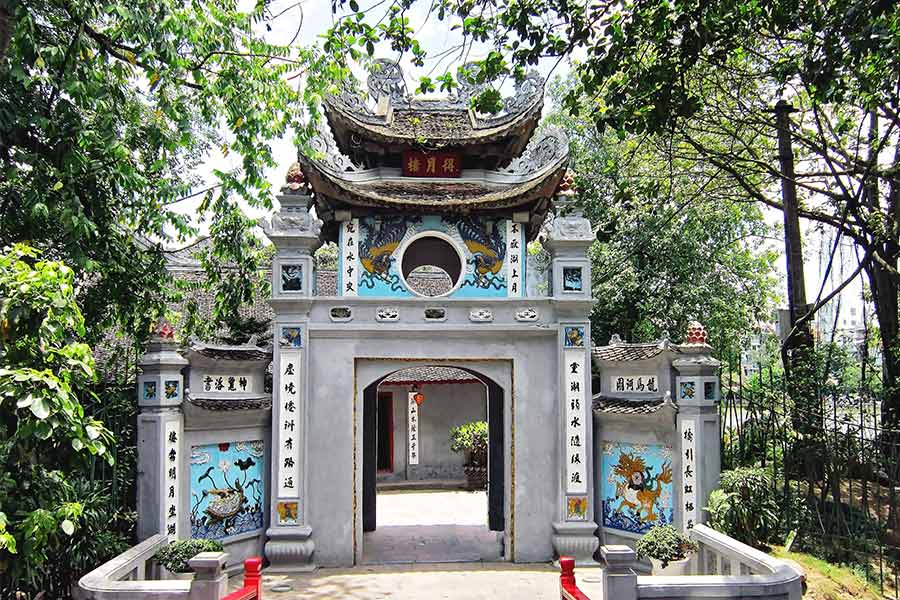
[176, 555]
[666, 544]
[472, 438]
[744, 507]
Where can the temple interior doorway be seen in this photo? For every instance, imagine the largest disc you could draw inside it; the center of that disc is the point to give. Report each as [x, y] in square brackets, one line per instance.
[423, 500]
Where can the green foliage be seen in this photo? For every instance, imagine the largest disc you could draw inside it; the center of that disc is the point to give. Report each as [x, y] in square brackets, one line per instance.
[176, 555]
[744, 506]
[471, 438]
[665, 544]
[44, 432]
[677, 241]
[106, 111]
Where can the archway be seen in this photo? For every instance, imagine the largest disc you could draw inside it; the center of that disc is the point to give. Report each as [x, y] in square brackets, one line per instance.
[457, 386]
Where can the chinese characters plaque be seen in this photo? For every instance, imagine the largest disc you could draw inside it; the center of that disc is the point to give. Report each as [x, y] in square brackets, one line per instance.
[515, 265]
[431, 164]
[688, 434]
[289, 448]
[349, 258]
[576, 442]
[413, 442]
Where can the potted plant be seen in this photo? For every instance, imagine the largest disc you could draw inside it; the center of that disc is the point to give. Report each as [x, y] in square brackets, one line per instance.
[668, 549]
[471, 439]
[174, 558]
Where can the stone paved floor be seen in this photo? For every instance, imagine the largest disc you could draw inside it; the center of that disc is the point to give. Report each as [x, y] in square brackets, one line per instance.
[431, 526]
[457, 581]
[453, 526]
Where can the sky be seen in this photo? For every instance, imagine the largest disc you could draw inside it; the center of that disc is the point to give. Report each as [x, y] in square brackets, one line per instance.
[314, 17]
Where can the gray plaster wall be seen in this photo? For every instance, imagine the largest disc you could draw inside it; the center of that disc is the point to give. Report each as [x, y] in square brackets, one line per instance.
[345, 358]
[446, 406]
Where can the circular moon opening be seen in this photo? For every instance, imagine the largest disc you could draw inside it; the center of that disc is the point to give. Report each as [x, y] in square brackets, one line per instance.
[431, 266]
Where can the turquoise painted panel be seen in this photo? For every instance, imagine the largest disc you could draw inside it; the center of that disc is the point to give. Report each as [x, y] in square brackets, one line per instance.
[227, 489]
[481, 241]
[636, 486]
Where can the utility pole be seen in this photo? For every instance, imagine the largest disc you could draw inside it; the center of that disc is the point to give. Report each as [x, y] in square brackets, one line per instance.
[797, 352]
[793, 248]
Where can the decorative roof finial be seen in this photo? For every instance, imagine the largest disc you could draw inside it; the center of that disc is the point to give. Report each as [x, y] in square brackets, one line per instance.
[615, 340]
[567, 185]
[295, 180]
[696, 334]
[164, 330]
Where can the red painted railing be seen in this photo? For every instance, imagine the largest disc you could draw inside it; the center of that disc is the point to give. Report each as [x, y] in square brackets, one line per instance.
[568, 590]
[252, 589]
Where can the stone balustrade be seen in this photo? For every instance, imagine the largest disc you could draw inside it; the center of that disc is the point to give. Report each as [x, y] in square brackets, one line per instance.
[723, 568]
[130, 575]
[726, 568]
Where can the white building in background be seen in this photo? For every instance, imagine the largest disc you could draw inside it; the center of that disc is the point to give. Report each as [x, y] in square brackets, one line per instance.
[846, 316]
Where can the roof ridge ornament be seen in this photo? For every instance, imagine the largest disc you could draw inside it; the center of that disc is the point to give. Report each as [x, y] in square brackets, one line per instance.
[386, 79]
[331, 158]
[545, 148]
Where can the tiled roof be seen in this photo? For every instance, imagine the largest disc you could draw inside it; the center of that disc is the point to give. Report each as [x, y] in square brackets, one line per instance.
[621, 406]
[431, 375]
[247, 403]
[630, 351]
[249, 351]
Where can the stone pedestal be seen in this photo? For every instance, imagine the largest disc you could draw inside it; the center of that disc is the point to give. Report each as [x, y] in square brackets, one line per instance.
[290, 549]
[578, 540]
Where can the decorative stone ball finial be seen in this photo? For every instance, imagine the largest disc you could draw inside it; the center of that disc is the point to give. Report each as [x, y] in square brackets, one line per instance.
[567, 185]
[696, 334]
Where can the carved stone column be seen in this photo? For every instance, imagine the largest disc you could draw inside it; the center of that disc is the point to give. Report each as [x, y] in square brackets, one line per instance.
[569, 240]
[159, 436]
[697, 394]
[295, 234]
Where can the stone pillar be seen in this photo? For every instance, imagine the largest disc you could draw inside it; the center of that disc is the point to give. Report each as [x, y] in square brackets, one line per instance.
[159, 437]
[697, 395]
[295, 234]
[569, 240]
[620, 579]
[210, 579]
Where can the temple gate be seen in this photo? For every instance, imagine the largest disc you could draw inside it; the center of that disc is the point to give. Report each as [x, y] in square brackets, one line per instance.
[434, 209]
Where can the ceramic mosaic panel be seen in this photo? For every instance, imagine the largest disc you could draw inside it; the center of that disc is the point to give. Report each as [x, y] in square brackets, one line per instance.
[571, 279]
[370, 255]
[687, 390]
[227, 488]
[636, 486]
[291, 337]
[288, 513]
[149, 390]
[574, 336]
[291, 278]
[576, 508]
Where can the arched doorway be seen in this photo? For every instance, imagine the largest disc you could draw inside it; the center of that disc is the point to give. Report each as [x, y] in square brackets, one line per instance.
[382, 408]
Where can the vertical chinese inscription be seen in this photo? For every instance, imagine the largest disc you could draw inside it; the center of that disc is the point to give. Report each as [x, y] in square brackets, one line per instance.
[349, 258]
[412, 443]
[515, 265]
[688, 433]
[172, 476]
[289, 424]
[576, 442]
